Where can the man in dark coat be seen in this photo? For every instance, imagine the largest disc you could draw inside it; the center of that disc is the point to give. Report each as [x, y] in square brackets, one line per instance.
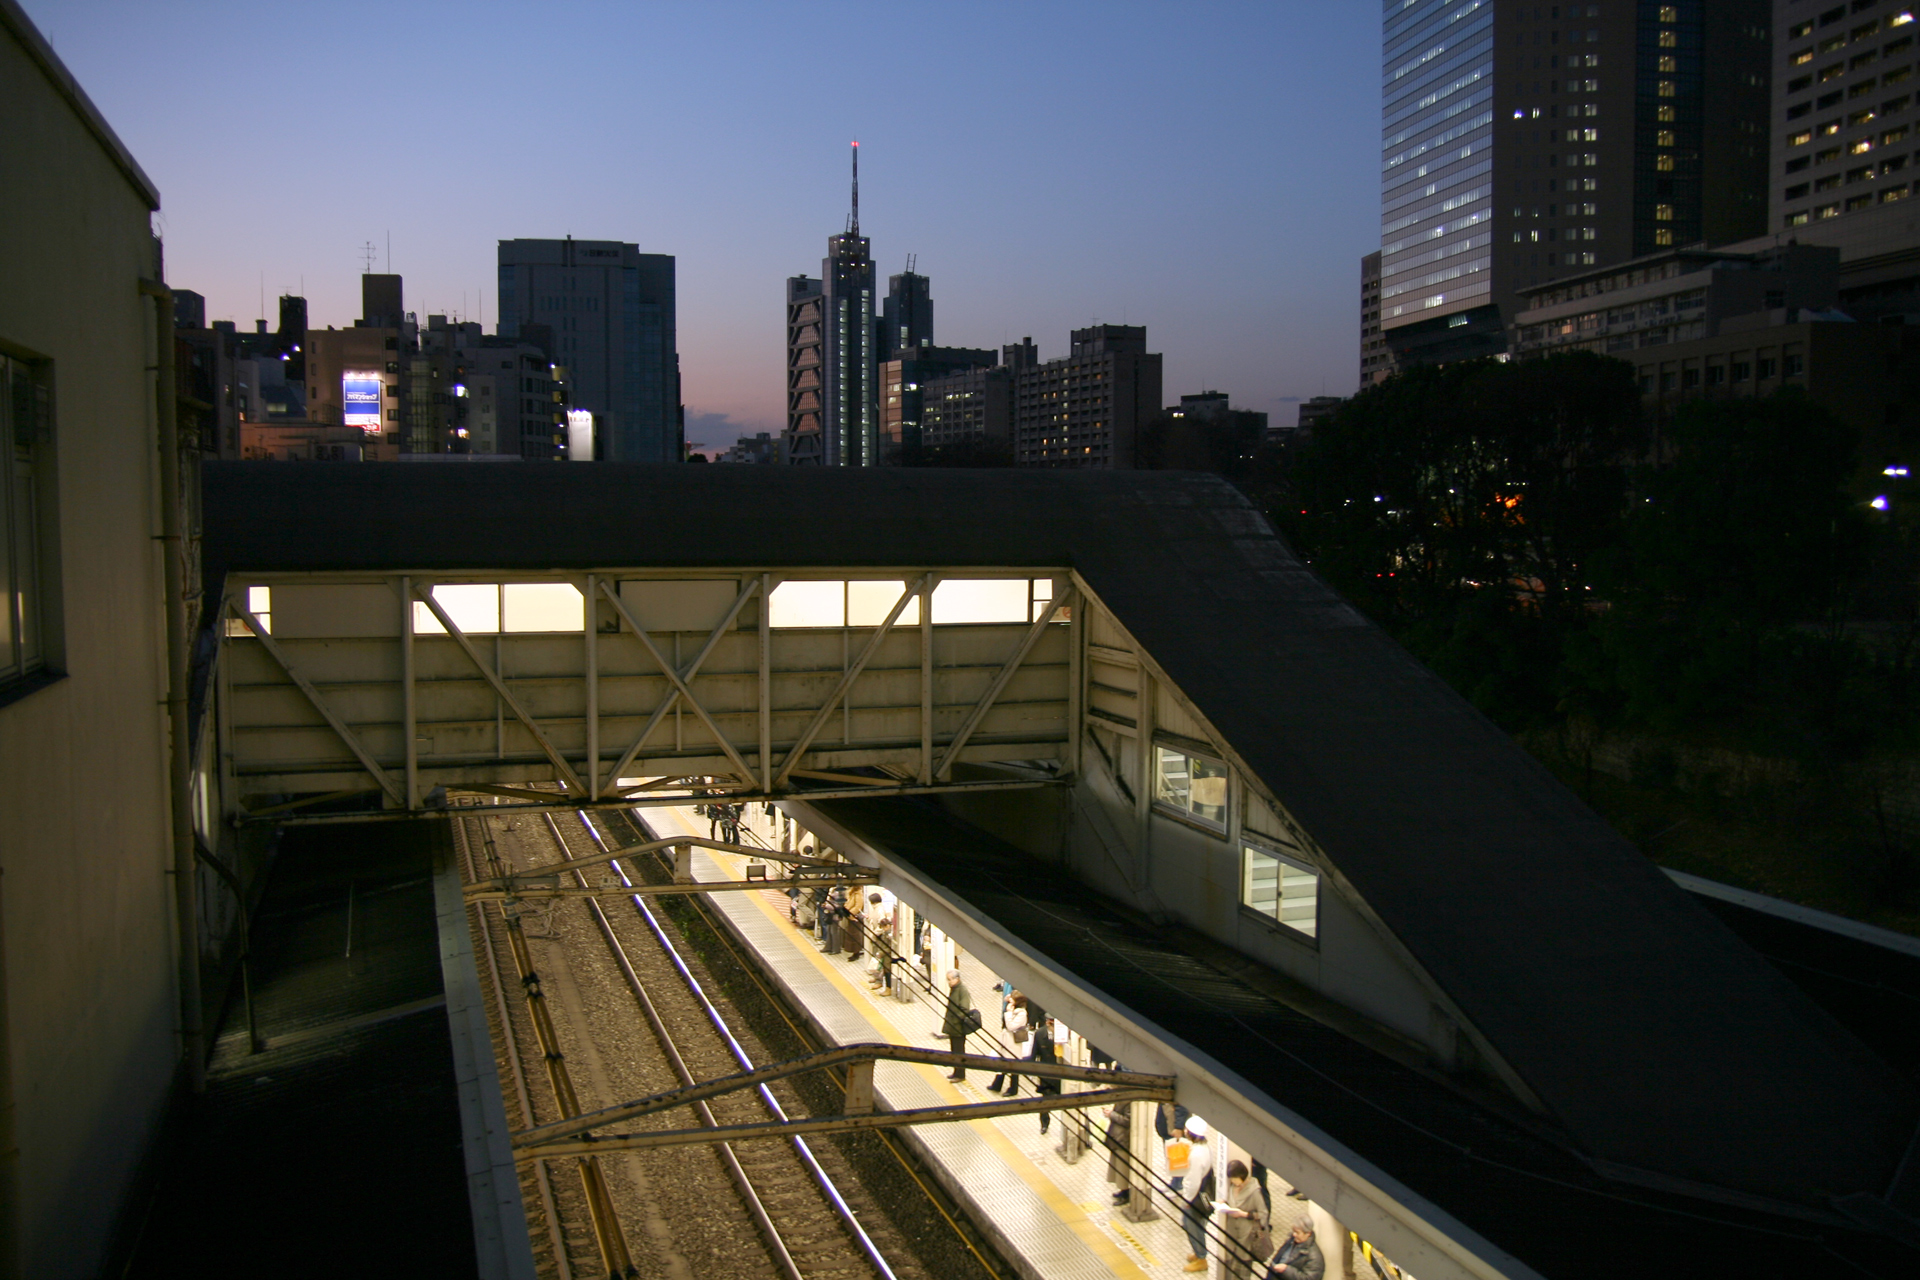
[1299, 1258]
[956, 1025]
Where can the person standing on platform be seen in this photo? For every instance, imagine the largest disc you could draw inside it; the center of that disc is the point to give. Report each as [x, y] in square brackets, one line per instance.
[1245, 1218]
[1199, 1192]
[1119, 1136]
[1046, 1048]
[853, 926]
[958, 1023]
[1020, 1035]
[831, 920]
[1299, 1258]
[882, 947]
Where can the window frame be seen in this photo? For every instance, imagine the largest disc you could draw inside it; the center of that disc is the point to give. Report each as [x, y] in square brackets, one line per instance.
[1252, 843]
[29, 564]
[1190, 751]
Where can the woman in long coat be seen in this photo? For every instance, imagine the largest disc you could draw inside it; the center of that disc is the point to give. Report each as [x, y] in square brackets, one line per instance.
[1244, 1215]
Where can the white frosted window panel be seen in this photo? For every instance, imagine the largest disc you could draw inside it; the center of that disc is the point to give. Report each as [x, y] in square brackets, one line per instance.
[259, 599]
[543, 606]
[1042, 592]
[962, 600]
[868, 604]
[1260, 888]
[1299, 899]
[808, 604]
[473, 607]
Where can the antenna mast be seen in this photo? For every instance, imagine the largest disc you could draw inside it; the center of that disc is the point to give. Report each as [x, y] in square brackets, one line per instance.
[855, 225]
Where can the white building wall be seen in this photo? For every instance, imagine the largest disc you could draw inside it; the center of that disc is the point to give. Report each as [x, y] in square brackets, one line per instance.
[85, 899]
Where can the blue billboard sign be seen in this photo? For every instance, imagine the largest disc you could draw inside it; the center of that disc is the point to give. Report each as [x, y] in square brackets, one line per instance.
[360, 395]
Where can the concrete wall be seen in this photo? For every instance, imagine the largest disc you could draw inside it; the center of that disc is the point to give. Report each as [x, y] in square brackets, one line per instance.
[85, 901]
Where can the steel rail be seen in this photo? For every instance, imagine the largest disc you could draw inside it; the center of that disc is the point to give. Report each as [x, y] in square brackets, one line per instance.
[741, 1056]
[741, 1183]
[593, 1181]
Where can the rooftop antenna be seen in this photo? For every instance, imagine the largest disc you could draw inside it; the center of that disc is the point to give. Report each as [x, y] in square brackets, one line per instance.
[367, 252]
[853, 225]
[911, 259]
[389, 253]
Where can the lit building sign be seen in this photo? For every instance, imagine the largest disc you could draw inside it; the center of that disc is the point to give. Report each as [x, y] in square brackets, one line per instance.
[360, 394]
[579, 435]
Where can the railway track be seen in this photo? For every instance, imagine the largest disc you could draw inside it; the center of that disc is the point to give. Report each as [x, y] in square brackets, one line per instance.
[596, 1001]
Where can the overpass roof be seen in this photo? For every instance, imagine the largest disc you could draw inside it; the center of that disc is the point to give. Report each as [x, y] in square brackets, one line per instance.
[1652, 1035]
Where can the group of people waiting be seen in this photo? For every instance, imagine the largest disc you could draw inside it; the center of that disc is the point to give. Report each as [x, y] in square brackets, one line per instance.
[1245, 1211]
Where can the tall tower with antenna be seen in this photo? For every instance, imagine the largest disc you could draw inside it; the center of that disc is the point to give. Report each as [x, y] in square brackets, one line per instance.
[850, 436]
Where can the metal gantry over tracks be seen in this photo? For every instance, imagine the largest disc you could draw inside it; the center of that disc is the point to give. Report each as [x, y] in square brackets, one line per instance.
[832, 682]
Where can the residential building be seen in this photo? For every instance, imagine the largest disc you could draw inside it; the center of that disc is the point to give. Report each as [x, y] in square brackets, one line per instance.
[1522, 141]
[762, 448]
[205, 377]
[513, 400]
[902, 395]
[906, 318]
[356, 378]
[1676, 295]
[1315, 411]
[611, 312]
[972, 408]
[1376, 358]
[1086, 410]
[804, 440]
[1740, 321]
[101, 1016]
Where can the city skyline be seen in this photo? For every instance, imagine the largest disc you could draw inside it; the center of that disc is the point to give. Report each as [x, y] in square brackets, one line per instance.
[1178, 182]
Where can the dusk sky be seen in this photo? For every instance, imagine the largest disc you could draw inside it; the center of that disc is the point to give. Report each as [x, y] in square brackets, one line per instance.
[1208, 170]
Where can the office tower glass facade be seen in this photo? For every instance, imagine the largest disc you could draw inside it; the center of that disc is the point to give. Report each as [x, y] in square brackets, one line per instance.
[1437, 179]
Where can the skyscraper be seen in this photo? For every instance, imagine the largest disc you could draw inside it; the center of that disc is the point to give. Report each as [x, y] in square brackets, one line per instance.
[906, 318]
[612, 315]
[1522, 141]
[1844, 145]
[846, 289]
[804, 443]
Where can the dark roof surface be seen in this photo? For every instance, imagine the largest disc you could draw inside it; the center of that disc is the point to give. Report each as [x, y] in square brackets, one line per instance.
[1657, 1038]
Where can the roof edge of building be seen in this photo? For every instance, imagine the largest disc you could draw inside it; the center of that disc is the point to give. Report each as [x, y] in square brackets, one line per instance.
[21, 27]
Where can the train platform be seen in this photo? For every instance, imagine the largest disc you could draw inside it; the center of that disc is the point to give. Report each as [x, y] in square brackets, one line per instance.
[1049, 1213]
